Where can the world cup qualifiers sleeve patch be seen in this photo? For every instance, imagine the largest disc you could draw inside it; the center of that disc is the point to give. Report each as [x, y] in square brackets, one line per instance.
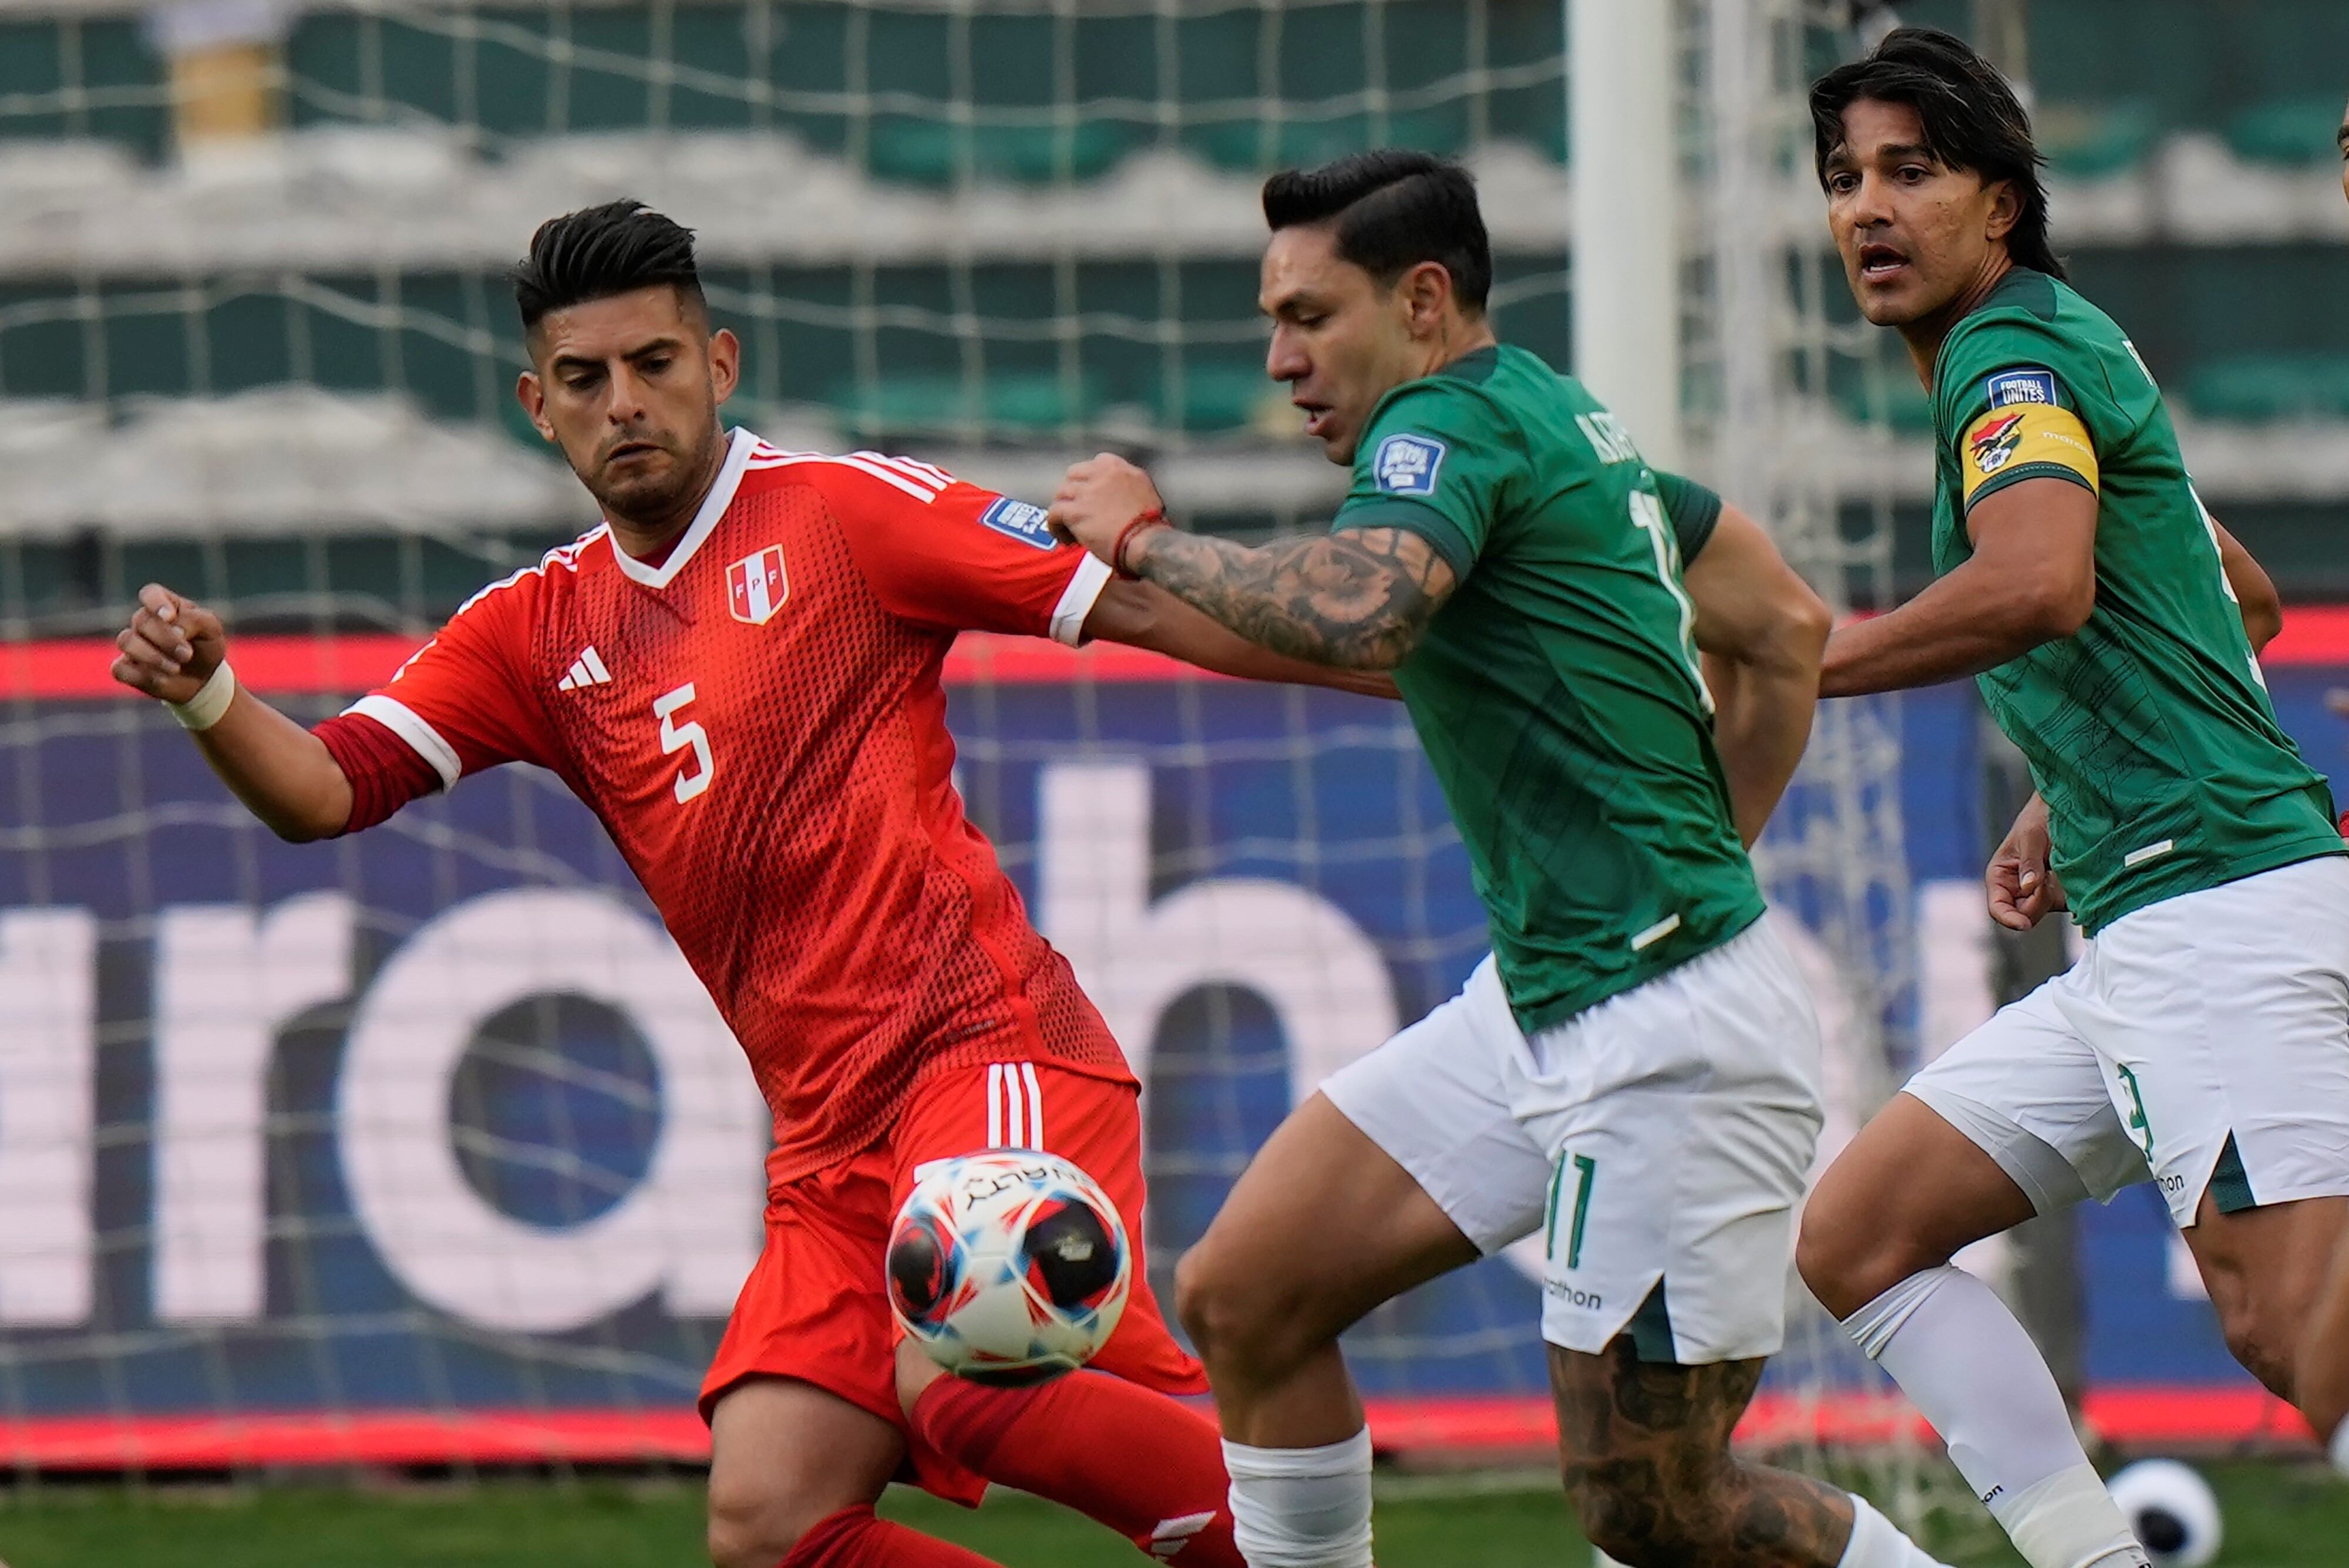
[2025, 385]
[1021, 522]
[1407, 464]
[2029, 441]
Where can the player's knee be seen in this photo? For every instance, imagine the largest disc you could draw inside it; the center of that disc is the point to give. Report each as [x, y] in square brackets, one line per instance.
[1825, 1258]
[915, 1373]
[1848, 1257]
[753, 1526]
[2261, 1341]
[1201, 1303]
[1227, 1314]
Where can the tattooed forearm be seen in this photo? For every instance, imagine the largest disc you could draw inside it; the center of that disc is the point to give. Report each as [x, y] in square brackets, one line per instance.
[1359, 600]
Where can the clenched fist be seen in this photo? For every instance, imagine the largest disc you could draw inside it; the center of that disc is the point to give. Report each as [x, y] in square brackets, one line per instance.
[1097, 499]
[171, 648]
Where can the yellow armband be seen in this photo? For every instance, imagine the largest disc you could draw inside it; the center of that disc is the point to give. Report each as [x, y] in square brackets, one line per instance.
[2025, 439]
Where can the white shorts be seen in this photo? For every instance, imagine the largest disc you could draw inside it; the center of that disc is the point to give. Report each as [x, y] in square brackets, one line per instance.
[1659, 1143]
[2201, 1043]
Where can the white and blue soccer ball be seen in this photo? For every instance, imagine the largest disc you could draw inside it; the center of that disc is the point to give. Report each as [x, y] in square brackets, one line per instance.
[2173, 1512]
[1009, 1267]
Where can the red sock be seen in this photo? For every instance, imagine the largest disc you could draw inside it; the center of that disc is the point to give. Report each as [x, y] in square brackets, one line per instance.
[852, 1538]
[1149, 1468]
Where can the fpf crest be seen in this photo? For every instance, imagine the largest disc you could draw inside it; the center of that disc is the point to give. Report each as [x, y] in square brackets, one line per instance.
[757, 585]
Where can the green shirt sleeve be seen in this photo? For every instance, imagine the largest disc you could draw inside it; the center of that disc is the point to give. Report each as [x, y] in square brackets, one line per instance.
[1695, 510]
[1439, 460]
[2020, 370]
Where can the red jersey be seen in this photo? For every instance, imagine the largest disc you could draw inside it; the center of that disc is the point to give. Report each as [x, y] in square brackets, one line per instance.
[759, 721]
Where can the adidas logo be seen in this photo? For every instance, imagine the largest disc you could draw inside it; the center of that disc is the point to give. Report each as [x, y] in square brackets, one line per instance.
[1167, 1541]
[587, 669]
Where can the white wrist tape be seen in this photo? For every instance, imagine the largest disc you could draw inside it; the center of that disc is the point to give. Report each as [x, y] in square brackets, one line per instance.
[203, 710]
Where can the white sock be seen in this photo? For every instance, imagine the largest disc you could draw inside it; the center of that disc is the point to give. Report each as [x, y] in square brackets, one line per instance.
[2069, 1519]
[2340, 1447]
[1302, 1508]
[1964, 1362]
[1877, 1541]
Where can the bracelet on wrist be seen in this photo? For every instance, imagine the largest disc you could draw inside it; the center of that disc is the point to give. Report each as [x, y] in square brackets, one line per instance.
[203, 710]
[1153, 518]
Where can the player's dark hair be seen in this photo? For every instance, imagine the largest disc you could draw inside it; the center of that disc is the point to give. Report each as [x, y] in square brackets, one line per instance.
[1389, 210]
[1973, 121]
[598, 252]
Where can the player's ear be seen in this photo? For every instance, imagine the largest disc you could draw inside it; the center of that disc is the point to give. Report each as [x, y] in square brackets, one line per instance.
[2005, 208]
[1426, 291]
[725, 364]
[530, 393]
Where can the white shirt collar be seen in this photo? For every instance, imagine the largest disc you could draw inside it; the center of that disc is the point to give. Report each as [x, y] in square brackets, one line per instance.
[705, 522]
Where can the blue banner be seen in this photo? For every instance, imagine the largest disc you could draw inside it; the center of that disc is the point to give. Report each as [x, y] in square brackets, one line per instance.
[434, 1117]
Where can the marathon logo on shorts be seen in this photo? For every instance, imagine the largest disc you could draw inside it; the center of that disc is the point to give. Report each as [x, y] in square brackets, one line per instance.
[757, 585]
[1993, 446]
[1407, 464]
[2012, 387]
[1017, 520]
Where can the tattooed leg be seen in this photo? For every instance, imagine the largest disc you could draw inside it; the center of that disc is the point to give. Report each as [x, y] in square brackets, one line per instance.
[1644, 1450]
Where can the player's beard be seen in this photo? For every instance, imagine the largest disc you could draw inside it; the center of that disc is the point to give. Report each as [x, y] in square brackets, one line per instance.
[668, 496]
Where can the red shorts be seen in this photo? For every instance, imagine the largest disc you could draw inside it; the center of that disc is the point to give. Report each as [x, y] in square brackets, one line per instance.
[815, 1307]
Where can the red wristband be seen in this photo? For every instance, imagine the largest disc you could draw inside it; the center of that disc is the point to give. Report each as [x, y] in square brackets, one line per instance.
[1153, 518]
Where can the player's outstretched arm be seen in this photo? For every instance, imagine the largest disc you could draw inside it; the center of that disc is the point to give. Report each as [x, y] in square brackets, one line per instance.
[175, 651]
[2031, 579]
[1762, 632]
[1358, 600]
[1143, 615]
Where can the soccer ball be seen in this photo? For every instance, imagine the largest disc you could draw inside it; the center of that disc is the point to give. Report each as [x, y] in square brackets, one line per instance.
[1008, 1267]
[2172, 1509]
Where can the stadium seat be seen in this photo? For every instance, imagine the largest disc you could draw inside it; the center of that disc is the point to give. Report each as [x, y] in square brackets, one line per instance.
[1225, 397]
[43, 62]
[915, 150]
[1301, 142]
[2271, 386]
[2098, 140]
[2287, 131]
[1897, 400]
[1010, 403]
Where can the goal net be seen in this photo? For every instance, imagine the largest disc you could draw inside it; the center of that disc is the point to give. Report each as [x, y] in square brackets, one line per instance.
[377, 1151]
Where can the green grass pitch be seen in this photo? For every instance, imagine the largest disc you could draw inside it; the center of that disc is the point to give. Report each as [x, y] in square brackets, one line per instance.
[2278, 1516]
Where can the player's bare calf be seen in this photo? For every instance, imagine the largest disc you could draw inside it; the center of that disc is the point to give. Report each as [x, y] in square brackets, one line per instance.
[1323, 1226]
[1644, 1451]
[786, 1455]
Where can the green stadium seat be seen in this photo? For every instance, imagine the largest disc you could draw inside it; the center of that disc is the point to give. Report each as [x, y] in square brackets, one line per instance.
[2266, 388]
[1226, 398]
[2287, 131]
[1009, 402]
[913, 150]
[1255, 144]
[1901, 402]
[2097, 141]
[106, 57]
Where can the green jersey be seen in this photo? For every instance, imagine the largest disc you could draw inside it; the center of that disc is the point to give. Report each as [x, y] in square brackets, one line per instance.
[2149, 730]
[1558, 691]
